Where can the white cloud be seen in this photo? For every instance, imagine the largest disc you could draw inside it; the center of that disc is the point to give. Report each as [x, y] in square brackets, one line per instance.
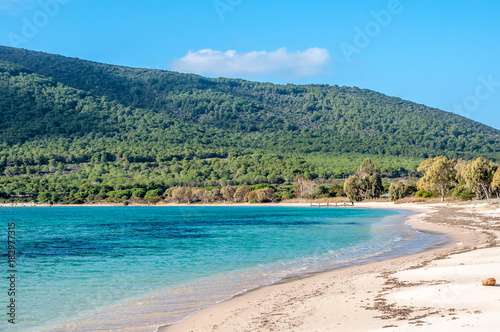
[310, 62]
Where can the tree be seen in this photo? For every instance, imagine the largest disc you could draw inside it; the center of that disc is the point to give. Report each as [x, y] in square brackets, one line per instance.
[228, 193]
[138, 192]
[479, 176]
[266, 195]
[44, 197]
[461, 169]
[371, 185]
[252, 196]
[495, 183]
[240, 193]
[212, 196]
[352, 188]
[397, 191]
[300, 180]
[179, 194]
[366, 166]
[439, 174]
[366, 183]
[188, 195]
[369, 181]
[152, 194]
[168, 194]
[198, 195]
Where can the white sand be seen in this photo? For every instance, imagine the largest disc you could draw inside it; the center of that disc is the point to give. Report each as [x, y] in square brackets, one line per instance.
[422, 292]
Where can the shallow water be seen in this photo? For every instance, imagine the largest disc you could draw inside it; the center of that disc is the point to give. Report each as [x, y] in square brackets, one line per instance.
[89, 268]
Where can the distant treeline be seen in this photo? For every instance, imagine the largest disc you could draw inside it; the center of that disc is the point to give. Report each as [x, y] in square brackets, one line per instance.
[479, 178]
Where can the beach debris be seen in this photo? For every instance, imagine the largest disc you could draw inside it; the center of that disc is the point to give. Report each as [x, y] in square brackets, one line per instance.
[489, 282]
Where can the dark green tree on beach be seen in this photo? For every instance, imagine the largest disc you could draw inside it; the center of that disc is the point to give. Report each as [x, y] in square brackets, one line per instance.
[365, 184]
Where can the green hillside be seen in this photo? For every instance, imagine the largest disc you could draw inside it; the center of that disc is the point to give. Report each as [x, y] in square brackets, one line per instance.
[79, 123]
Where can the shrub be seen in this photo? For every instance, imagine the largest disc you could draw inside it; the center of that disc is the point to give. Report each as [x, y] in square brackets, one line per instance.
[153, 194]
[228, 192]
[118, 194]
[240, 193]
[266, 194]
[426, 194]
[138, 192]
[251, 196]
[262, 186]
[463, 192]
[467, 195]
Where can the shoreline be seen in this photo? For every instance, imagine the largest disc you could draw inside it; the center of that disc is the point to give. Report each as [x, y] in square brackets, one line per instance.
[383, 204]
[383, 294]
[302, 304]
[293, 203]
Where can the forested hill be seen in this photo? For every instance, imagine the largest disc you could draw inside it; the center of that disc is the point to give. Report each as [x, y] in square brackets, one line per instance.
[70, 110]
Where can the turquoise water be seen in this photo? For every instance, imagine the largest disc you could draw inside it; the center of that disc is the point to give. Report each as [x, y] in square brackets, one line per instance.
[89, 268]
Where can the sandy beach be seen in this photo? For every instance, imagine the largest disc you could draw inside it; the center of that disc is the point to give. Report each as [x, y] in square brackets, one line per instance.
[439, 289]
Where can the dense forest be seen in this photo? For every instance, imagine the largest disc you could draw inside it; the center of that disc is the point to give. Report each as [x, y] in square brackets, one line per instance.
[76, 128]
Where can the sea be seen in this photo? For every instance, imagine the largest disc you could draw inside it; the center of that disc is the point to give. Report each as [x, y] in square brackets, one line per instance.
[145, 268]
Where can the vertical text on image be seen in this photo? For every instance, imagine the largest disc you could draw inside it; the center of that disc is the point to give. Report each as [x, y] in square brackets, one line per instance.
[11, 272]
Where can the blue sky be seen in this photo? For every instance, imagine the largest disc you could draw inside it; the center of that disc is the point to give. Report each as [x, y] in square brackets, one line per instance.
[442, 54]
